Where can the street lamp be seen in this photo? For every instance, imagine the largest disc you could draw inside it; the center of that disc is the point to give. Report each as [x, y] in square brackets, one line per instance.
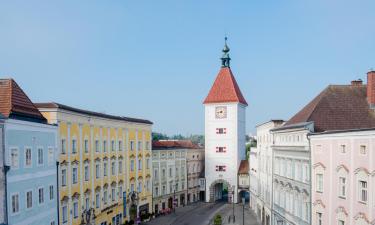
[243, 211]
[234, 218]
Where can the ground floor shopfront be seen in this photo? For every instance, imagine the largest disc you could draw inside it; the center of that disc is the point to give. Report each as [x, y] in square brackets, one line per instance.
[168, 202]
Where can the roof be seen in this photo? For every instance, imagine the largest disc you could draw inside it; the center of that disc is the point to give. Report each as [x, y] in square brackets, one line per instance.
[174, 144]
[225, 89]
[244, 167]
[271, 121]
[338, 107]
[14, 103]
[54, 105]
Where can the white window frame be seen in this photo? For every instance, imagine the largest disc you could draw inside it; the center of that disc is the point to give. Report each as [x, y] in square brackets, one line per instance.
[74, 181]
[74, 146]
[40, 158]
[360, 191]
[86, 172]
[63, 146]
[40, 197]
[319, 182]
[74, 211]
[26, 199]
[97, 200]
[51, 156]
[342, 185]
[64, 216]
[31, 157]
[64, 179]
[17, 203]
[86, 145]
[51, 193]
[17, 163]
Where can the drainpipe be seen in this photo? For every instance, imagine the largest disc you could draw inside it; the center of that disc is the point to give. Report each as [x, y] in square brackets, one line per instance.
[58, 192]
[310, 213]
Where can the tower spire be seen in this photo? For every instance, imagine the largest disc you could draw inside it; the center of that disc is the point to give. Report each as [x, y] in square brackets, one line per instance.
[225, 59]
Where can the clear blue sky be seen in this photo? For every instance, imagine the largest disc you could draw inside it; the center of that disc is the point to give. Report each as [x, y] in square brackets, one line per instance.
[158, 60]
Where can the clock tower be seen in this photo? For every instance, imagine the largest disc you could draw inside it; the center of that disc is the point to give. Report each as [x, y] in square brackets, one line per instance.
[225, 120]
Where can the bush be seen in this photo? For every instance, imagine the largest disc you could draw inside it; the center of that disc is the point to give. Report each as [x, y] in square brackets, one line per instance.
[218, 220]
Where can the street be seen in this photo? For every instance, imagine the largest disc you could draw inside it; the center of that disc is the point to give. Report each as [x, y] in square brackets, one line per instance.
[202, 213]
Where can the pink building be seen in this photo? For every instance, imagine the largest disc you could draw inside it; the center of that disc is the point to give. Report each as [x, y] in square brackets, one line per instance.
[343, 159]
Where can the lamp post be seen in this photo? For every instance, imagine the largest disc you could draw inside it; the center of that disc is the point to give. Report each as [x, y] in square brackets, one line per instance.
[243, 211]
[234, 218]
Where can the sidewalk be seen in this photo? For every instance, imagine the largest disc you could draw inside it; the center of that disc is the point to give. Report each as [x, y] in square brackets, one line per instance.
[226, 213]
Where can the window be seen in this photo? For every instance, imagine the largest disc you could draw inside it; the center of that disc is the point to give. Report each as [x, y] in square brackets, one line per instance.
[96, 146]
[112, 145]
[40, 156]
[131, 187]
[139, 186]
[28, 157]
[105, 169]
[139, 145]
[131, 145]
[63, 177]
[97, 200]
[15, 203]
[139, 164]
[74, 175]
[86, 172]
[363, 149]
[97, 171]
[113, 168]
[51, 156]
[74, 146]
[29, 199]
[51, 193]
[75, 209]
[221, 130]
[86, 146]
[132, 165]
[148, 185]
[155, 173]
[220, 149]
[147, 147]
[156, 191]
[343, 148]
[120, 145]
[318, 218]
[170, 172]
[342, 189]
[341, 222]
[221, 168]
[52, 222]
[104, 146]
[14, 161]
[105, 197]
[87, 203]
[120, 191]
[363, 191]
[41, 195]
[148, 163]
[65, 214]
[319, 182]
[113, 195]
[63, 146]
[120, 167]
[163, 173]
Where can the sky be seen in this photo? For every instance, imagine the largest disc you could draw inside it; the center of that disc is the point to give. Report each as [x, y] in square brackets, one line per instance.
[157, 60]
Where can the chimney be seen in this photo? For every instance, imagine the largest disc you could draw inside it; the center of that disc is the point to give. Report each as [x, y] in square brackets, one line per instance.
[357, 82]
[371, 89]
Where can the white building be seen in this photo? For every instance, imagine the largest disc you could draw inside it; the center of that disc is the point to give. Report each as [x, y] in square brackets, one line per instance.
[224, 134]
[195, 165]
[253, 161]
[264, 143]
[169, 175]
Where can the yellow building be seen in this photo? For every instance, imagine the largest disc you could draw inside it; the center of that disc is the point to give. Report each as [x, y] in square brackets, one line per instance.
[102, 159]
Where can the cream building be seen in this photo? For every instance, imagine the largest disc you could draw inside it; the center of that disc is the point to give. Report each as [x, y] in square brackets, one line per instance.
[169, 175]
[103, 159]
[195, 165]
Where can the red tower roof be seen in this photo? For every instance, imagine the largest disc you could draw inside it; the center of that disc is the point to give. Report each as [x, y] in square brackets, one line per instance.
[225, 89]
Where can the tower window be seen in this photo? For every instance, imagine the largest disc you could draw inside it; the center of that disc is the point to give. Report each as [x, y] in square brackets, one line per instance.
[221, 149]
[221, 168]
[221, 130]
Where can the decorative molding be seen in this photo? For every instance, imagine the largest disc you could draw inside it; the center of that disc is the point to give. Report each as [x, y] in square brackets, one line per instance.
[319, 202]
[356, 171]
[319, 164]
[341, 209]
[361, 215]
[342, 166]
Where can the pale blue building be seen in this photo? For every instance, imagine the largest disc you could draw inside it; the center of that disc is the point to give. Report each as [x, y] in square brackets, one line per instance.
[30, 160]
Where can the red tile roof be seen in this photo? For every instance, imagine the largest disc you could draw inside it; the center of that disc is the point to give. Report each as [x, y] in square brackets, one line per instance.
[338, 107]
[15, 103]
[162, 144]
[244, 167]
[225, 89]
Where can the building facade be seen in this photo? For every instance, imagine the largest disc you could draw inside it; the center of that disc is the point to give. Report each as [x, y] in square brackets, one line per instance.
[169, 175]
[343, 177]
[195, 165]
[29, 158]
[291, 174]
[225, 120]
[265, 167]
[253, 174]
[244, 180]
[104, 165]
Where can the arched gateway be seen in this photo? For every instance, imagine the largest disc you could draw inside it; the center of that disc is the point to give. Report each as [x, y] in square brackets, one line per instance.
[220, 190]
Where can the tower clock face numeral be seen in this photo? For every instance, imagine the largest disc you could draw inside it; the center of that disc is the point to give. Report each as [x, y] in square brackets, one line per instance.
[221, 112]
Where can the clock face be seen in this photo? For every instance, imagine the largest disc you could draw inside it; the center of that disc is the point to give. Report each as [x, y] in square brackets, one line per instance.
[221, 112]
